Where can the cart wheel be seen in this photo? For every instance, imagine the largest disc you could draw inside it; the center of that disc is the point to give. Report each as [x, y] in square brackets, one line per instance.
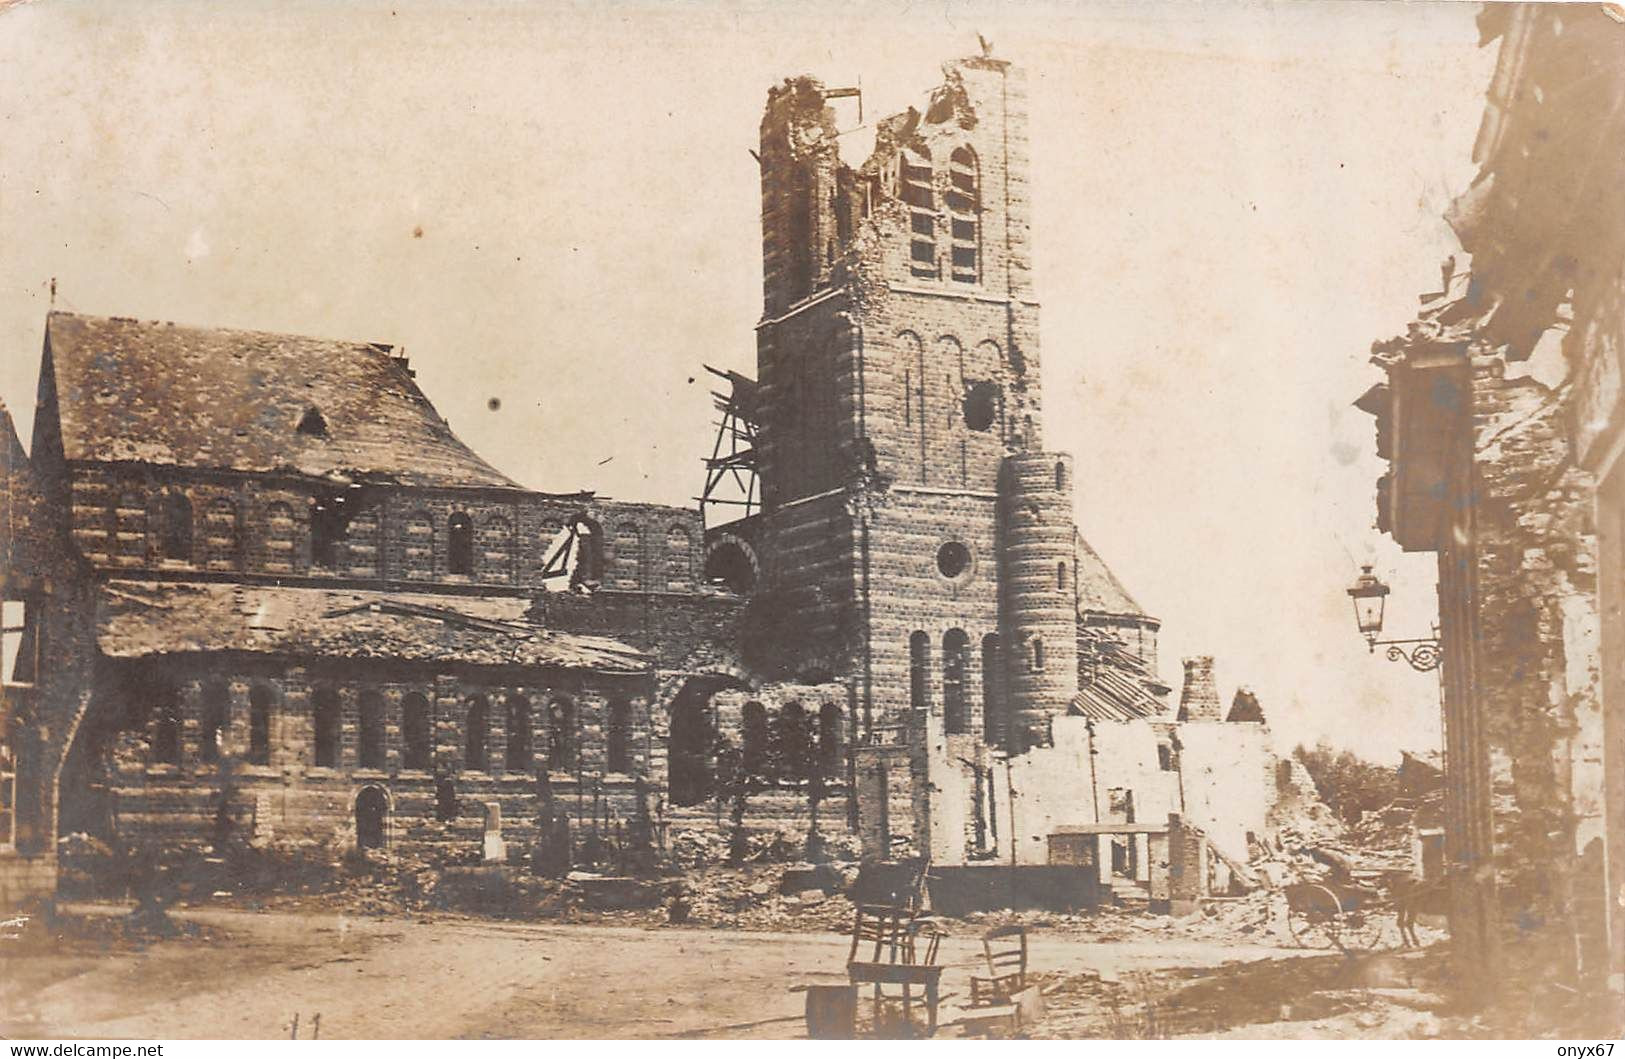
[1314, 918]
[1362, 930]
[1312, 929]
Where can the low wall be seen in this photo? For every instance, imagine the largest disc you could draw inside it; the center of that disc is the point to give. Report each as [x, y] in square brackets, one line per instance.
[24, 879]
[986, 887]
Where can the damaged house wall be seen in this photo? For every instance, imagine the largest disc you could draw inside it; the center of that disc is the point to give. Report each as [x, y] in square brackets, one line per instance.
[1513, 481]
[48, 647]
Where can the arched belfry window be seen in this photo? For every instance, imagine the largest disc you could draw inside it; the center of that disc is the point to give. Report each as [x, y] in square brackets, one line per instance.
[460, 544]
[919, 670]
[964, 212]
[916, 186]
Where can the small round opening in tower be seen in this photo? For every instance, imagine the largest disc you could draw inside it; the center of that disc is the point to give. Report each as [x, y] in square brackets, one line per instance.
[953, 559]
[981, 406]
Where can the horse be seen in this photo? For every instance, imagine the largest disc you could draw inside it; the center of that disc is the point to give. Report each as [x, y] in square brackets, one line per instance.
[1413, 897]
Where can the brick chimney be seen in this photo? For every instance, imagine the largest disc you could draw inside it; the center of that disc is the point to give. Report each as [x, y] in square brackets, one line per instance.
[1199, 701]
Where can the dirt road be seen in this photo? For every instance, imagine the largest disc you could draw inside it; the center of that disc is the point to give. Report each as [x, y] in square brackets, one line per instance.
[447, 978]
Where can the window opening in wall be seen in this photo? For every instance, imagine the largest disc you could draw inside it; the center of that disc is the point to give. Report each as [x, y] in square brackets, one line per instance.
[919, 670]
[20, 641]
[477, 757]
[8, 784]
[953, 559]
[259, 725]
[445, 800]
[519, 735]
[692, 745]
[371, 813]
[955, 705]
[831, 719]
[561, 735]
[729, 565]
[324, 703]
[964, 208]
[460, 544]
[916, 189]
[1165, 757]
[372, 743]
[176, 539]
[1060, 475]
[1038, 653]
[211, 730]
[1060, 574]
[166, 731]
[619, 736]
[754, 735]
[992, 683]
[795, 743]
[982, 406]
[416, 732]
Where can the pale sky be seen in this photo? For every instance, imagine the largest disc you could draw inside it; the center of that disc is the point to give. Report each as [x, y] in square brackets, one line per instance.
[1232, 201]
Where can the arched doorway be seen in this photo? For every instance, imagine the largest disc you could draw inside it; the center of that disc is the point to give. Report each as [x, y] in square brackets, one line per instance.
[371, 813]
[693, 739]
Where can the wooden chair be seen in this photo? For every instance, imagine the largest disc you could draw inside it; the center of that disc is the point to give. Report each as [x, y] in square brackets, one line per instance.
[885, 928]
[1006, 967]
[898, 948]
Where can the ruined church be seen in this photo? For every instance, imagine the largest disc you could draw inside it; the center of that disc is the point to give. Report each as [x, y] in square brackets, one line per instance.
[254, 581]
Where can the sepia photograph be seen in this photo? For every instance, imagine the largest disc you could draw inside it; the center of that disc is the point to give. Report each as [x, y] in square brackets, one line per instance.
[740, 520]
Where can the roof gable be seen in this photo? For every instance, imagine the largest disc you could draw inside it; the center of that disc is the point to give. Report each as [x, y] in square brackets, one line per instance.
[130, 390]
[1099, 591]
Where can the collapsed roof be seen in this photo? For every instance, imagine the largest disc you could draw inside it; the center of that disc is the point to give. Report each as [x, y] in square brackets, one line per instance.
[149, 392]
[137, 619]
[1117, 684]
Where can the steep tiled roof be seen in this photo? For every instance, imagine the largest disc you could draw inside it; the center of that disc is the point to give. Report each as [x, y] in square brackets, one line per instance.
[207, 397]
[1099, 590]
[33, 535]
[138, 619]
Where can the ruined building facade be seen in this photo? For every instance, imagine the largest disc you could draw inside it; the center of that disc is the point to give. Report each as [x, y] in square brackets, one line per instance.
[314, 615]
[1502, 417]
[307, 612]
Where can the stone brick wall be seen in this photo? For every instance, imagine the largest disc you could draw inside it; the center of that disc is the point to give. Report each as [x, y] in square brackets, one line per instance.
[48, 691]
[262, 524]
[177, 799]
[1536, 736]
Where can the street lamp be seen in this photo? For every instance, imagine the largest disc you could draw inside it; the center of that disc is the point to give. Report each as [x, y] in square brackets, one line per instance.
[1370, 595]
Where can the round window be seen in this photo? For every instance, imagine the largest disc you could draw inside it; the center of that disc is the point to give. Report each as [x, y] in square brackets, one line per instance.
[953, 559]
[981, 406]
